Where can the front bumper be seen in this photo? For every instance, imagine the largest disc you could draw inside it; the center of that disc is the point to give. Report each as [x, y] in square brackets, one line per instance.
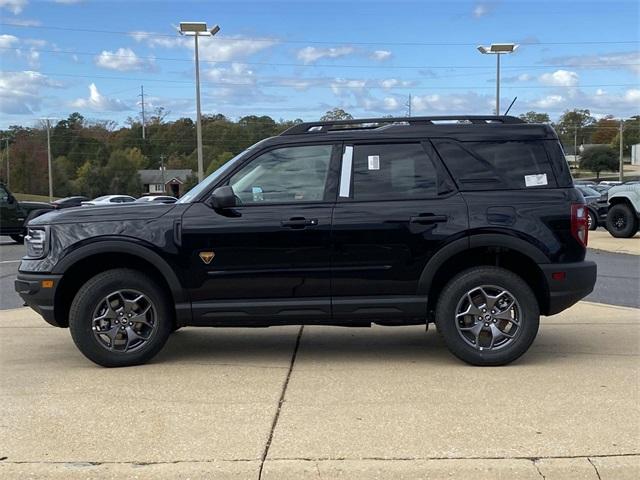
[31, 288]
[567, 284]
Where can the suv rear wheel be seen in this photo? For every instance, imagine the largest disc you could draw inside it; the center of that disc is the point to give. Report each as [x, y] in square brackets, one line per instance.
[622, 221]
[120, 318]
[487, 316]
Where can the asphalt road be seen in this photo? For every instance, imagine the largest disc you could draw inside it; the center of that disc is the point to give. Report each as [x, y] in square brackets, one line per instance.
[618, 276]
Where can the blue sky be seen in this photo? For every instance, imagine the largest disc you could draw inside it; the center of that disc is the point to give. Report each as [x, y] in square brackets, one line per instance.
[297, 59]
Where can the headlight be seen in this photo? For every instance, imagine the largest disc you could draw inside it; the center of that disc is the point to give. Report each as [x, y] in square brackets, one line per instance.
[37, 242]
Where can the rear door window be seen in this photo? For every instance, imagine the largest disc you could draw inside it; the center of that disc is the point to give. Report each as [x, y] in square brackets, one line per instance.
[497, 165]
[392, 171]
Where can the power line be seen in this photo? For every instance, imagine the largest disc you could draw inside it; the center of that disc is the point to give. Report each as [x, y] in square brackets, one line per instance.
[301, 41]
[324, 65]
[333, 84]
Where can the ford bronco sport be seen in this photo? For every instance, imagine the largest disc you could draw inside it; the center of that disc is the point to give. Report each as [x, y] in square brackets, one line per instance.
[471, 223]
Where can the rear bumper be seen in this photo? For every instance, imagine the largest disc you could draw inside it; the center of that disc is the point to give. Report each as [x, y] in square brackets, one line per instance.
[578, 282]
[29, 287]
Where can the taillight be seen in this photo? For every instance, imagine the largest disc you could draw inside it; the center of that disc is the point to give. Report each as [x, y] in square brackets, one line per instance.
[580, 222]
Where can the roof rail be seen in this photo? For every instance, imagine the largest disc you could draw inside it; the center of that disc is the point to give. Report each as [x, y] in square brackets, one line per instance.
[373, 123]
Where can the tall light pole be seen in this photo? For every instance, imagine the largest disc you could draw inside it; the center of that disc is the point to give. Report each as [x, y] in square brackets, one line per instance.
[49, 160]
[498, 49]
[195, 30]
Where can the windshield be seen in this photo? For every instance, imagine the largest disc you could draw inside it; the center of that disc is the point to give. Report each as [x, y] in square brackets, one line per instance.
[213, 178]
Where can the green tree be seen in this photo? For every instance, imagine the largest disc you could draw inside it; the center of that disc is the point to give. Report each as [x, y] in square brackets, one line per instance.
[575, 125]
[122, 173]
[598, 159]
[535, 117]
[217, 162]
[336, 114]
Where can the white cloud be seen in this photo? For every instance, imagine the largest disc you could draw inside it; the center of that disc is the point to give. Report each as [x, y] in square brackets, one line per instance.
[549, 101]
[123, 59]
[98, 102]
[617, 60]
[7, 41]
[22, 92]
[218, 49]
[313, 54]
[560, 78]
[237, 74]
[14, 6]
[455, 103]
[632, 96]
[342, 86]
[481, 9]
[381, 55]
[389, 83]
[31, 56]
[24, 22]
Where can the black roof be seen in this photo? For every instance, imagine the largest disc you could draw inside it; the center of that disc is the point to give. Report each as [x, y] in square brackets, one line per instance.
[463, 128]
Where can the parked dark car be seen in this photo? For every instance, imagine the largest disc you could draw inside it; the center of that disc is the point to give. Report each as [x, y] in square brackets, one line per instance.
[472, 224]
[14, 214]
[597, 204]
[69, 202]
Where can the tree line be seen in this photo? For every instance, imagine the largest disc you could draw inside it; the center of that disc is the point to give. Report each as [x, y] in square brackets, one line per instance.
[95, 158]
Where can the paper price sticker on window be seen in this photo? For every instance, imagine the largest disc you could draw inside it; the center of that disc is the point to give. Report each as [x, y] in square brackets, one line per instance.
[374, 162]
[535, 180]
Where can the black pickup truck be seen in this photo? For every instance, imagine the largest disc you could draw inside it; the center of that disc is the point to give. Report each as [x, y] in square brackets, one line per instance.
[14, 214]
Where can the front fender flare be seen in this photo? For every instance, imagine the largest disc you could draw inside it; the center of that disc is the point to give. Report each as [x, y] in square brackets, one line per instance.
[124, 246]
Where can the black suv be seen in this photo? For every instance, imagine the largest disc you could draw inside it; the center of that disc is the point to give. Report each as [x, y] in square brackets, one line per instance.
[469, 222]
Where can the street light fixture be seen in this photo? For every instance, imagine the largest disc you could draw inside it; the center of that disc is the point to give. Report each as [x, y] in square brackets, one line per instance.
[498, 49]
[195, 30]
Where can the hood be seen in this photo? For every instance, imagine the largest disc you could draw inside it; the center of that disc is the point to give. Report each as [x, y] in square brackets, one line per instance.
[34, 205]
[109, 213]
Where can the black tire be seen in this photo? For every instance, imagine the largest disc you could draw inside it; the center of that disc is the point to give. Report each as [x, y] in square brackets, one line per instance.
[592, 219]
[88, 299]
[473, 278]
[622, 221]
[18, 238]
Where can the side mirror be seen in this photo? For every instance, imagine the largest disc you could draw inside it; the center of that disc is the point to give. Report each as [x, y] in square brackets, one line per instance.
[11, 199]
[223, 197]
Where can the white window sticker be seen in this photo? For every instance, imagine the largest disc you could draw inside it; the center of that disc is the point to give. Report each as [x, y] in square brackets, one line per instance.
[535, 180]
[374, 162]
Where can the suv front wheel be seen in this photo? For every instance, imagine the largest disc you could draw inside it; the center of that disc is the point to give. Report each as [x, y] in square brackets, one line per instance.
[120, 318]
[487, 316]
[622, 221]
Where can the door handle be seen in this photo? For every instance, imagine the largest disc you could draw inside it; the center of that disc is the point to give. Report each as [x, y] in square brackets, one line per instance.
[427, 219]
[299, 222]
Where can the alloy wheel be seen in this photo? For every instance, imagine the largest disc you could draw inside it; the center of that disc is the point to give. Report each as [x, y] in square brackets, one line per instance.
[488, 317]
[124, 321]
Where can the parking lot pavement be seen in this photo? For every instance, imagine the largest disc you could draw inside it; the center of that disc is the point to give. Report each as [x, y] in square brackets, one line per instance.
[346, 403]
[602, 240]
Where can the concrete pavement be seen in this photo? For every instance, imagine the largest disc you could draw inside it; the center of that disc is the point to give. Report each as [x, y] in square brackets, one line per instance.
[339, 403]
[602, 240]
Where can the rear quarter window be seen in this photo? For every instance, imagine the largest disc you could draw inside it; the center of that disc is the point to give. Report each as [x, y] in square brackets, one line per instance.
[505, 165]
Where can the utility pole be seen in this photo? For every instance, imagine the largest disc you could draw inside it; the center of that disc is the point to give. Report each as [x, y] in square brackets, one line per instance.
[621, 162]
[575, 143]
[164, 185]
[498, 85]
[49, 160]
[6, 149]
[408, 104]
[143, 119]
